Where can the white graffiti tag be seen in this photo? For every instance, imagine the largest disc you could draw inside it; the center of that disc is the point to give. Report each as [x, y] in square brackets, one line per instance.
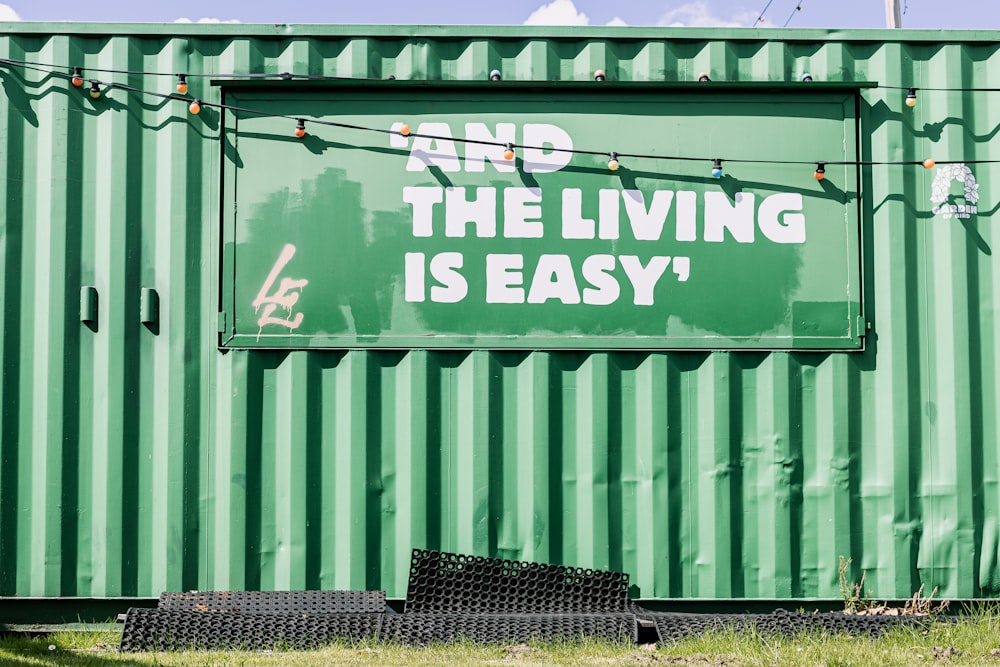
[286, 295]
[942, 183]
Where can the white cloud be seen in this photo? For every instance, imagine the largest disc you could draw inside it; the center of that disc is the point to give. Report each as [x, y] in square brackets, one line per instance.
[558, 12]
[206, 20]
[564, 12]
[698, 14]
[7, 13]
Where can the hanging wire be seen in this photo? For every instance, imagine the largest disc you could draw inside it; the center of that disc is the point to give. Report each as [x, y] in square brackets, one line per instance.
[110, 85]
[209, 75]
[287, 76]
[798, 8]
[942, 90]
[760, 17]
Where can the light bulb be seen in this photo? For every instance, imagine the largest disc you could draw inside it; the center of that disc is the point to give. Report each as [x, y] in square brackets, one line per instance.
[300, 128]
[404, 130]
[195, 107]
[495, 75]
[182, 84]
[929, 163]
[820, 171]
[704, 77]
[77, 77]
[807, 77]
[599, 75]
[95, 90]
[508, 152]
[613, 162]
[911, 97]
[717, 168]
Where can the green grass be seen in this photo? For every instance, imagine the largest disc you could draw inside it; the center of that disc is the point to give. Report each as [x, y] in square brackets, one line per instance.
[972, 641]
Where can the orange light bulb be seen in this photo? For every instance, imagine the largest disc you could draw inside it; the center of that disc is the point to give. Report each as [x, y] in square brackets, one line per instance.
[929, 163]
[195, 107]
[405, 130]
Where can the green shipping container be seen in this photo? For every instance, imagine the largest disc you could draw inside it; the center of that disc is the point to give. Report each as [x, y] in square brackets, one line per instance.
[187, 403]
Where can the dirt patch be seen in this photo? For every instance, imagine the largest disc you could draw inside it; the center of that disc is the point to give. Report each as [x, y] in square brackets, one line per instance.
[519, 651]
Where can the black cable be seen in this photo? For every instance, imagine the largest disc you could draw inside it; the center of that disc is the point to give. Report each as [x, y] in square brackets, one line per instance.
[798, 8]
[760, 17]
[942, 90]
[232, 75]
[28, 64]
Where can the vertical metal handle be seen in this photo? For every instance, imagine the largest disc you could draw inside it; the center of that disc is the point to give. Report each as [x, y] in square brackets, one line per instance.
[88, 304]
[149, 306]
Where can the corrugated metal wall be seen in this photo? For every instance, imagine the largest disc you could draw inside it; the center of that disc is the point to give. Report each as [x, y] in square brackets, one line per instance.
[135, 461]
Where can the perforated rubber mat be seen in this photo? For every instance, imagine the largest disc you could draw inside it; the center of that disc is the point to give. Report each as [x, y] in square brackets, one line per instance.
[672, 627]
[277, 602]
[425, 628]
[165, 630]
[454, 583]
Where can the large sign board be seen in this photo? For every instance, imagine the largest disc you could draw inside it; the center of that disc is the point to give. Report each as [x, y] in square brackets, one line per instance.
[354, 237]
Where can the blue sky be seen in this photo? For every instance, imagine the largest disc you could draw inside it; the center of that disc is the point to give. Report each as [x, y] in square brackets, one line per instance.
[922, 14]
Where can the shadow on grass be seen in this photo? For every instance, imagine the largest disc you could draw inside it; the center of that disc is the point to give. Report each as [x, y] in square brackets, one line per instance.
[80, 651]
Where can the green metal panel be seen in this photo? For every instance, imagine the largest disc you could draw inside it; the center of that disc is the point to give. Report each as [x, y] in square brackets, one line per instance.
[137, 457]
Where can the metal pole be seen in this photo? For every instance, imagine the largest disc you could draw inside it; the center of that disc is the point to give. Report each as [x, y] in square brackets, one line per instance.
[893, 19]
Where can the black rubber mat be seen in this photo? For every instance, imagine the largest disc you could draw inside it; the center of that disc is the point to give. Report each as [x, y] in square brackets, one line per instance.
[421, 629]
[165, 630]
[672, 627]
[276, 602]
[170, 630]
[454, 583]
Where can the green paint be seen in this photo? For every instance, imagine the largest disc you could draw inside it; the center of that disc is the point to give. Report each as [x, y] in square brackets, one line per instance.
[135, 461]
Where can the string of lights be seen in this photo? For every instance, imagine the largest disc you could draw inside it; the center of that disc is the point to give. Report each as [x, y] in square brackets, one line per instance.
[495, 75]
[187, 75]
[76, 76]
[760, 17]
